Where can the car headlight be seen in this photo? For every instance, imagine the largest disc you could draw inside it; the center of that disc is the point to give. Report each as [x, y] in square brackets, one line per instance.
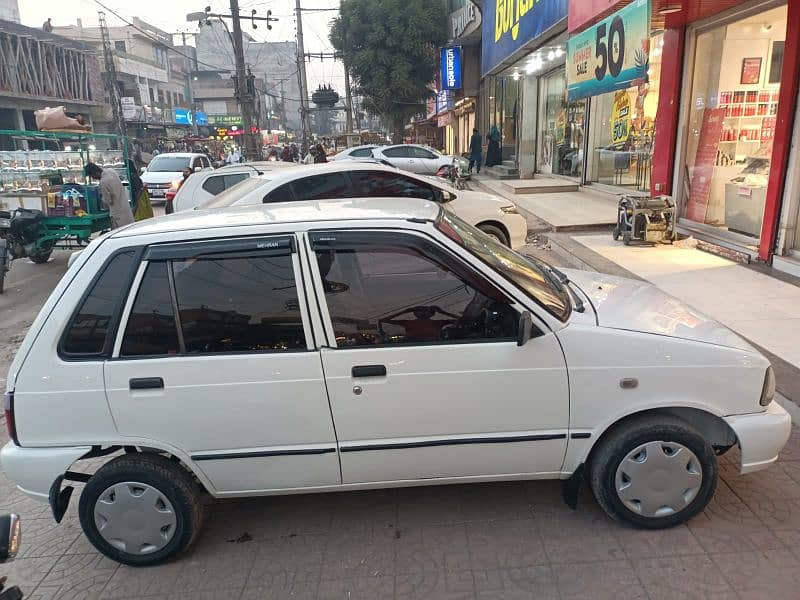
[510, 210]
[768, 392]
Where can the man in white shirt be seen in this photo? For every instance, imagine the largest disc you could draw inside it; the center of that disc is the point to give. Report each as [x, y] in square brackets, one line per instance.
[113, 195]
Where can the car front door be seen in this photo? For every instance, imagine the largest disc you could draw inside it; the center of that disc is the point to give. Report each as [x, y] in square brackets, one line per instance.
[401, 157]
[427, 161]
[215, 357]
[424, 374]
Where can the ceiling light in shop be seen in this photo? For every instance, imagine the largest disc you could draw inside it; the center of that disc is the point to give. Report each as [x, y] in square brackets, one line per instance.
[515, 76]
[551, 55]
[668, 9]
[559, 52]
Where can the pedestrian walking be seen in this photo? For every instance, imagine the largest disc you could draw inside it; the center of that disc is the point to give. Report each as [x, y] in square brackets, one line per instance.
[475, 150]
[47, 26]
[493, 153]
[112, 194]
[319, 154]
[142, 209]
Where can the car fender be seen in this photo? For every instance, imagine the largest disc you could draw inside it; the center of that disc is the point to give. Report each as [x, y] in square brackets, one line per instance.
[35, 469]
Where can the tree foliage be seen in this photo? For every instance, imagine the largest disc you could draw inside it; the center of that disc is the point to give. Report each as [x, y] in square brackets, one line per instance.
[390, 48]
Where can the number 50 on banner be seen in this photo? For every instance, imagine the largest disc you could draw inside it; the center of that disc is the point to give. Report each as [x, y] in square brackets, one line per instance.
[611, 54]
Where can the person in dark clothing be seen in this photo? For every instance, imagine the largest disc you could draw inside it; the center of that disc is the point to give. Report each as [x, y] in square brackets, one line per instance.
[319, 154]
[475, 150]
[493, 154]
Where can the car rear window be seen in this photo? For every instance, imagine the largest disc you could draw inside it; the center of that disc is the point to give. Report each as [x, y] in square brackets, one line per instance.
[236, 193]
[216, 184]
[90, 326]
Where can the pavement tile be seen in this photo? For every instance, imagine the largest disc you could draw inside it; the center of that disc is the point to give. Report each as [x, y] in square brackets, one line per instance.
[26, 573]
[731, 528]
[441, 585]
[45, 537]
[227, 594]
[583, 548]
[78, 577]
[774, 482]
[791, 451]
[682, 577]
[615, 580]
[347, 560]
[759, 575]
[368, 588]
[291, 559]
[298, 590]
[647, 543]
[435, 505]
[777, 513]
[505, 544]
[432, 548]
[495, 501]
[516, 584]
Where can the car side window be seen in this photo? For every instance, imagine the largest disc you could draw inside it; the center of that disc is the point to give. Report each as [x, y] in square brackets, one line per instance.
[321, 187]
[197, 163]
[281, 193]
[362, 152]
[397, 152]
[224, 304]
[216, 184]
[423, 153]
[374, 184]
[87, 333]
[389, 290]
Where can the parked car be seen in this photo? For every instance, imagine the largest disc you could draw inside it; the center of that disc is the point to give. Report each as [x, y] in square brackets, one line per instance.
[493, 215]
[202, 187]
[355, 152]
[418, 159]
[364, 343]
[165, 171]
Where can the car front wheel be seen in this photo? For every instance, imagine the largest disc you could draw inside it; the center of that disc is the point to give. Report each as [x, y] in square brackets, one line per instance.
[495, 232]
[141, 509]
[654, 472]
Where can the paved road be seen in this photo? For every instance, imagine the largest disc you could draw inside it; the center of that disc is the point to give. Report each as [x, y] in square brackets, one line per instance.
[505, 540]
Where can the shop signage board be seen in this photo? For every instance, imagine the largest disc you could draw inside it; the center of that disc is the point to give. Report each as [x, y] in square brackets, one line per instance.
[510, 24]
[225, 120]
[183, 116]
[128, 108]
[450, 64]
[582, 12]
[201, 118]
[610, 55]
[464, 20]
[702, 174]
[620, 118]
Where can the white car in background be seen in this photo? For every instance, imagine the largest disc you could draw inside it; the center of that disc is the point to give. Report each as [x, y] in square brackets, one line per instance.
[493, 215]
[355, 152]
[417, 158]
[202, 187]
[165, 171]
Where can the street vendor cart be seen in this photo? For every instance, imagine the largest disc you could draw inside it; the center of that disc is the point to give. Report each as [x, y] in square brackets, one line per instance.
[45, 201]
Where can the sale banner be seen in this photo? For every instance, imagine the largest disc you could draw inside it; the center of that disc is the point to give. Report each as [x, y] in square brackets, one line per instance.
[703, 171]
[620, 118]
[610, 55]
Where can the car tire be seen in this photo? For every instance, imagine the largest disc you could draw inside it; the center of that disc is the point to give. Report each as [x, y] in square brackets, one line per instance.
[619, 472]
[495, 232]
[156, 489]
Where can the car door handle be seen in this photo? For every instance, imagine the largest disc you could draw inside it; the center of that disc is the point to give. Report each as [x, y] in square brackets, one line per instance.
[369, 371]
[147, 383]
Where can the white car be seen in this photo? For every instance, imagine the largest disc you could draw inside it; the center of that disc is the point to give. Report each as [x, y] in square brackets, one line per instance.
[493, 215]
[165, 171]
[356, 152]
[417, 158]
[202, 187]
[356, 344]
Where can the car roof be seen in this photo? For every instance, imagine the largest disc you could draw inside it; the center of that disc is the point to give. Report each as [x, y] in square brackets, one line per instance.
[368, 164]
[179, 154]
[310, 211]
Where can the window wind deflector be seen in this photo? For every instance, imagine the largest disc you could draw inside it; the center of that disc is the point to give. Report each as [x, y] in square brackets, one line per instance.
[256, 246]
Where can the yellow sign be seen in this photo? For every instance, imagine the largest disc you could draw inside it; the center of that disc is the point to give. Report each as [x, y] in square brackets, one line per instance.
[507, 16]
[561, 127]
[620, 118]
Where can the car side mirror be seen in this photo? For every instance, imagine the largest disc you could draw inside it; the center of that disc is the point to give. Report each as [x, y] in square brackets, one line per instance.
[524, 329]
[448, 196]
[142, 169]
[10, 532]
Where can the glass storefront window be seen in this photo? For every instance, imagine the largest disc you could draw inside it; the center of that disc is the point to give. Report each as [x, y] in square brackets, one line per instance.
[621, 130]
[561, 127]
[732, 120]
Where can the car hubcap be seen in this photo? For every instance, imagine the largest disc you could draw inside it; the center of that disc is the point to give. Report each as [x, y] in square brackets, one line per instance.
[658, 479]
[135, 517]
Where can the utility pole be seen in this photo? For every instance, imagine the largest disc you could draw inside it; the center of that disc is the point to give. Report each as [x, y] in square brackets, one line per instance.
[349, 100]
[252, 149]
[301, 74]
[110, 78]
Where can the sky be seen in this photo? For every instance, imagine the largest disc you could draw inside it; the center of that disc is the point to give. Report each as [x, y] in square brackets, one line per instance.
[170, 15]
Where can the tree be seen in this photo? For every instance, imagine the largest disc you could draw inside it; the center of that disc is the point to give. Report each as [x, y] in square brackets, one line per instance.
[391, 49]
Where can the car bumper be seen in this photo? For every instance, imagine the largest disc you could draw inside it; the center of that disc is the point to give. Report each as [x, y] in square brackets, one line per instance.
[35, 469]
[761, 436]
[517, 229]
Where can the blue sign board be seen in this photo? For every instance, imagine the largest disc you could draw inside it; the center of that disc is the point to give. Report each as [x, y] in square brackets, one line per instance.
[444, 101]
[451, 68]
[201, 118]
[509, 24]
[183, 116]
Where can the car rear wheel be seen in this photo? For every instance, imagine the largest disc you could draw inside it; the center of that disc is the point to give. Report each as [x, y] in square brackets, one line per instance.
[495, 232]
[654, 472]
[141, 509]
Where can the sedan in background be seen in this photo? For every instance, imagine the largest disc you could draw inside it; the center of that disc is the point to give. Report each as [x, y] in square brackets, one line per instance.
[356, 152]
[417, 158]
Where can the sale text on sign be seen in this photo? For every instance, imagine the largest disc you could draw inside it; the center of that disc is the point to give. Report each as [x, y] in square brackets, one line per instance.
[611, 54]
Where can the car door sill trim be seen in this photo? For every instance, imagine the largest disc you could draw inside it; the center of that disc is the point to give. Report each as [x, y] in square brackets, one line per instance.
[264, 453]
[454, 442]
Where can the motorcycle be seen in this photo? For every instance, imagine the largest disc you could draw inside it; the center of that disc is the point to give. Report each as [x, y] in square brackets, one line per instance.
[19, 232]
[10, 536]
[452, 173]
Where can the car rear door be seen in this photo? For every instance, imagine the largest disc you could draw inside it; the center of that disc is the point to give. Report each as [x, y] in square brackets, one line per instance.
[401, 157]
[215, 357]
[424, 374]
[427, 162]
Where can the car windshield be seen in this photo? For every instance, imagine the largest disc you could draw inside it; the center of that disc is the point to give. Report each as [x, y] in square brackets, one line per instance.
[528, 274]
[234, 193]
[165, 164]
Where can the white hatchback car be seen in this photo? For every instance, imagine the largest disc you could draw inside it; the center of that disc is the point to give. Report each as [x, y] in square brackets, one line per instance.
[165, 171]
[355, 153]
[417, 158]
[356, 344]
[495, 216]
